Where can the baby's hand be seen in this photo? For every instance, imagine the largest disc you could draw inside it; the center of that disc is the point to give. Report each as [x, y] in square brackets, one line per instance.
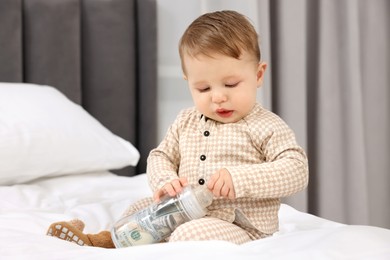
[171, 188]
[221, 184]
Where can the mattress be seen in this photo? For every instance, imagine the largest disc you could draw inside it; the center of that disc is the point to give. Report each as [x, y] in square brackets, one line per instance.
[99, 198]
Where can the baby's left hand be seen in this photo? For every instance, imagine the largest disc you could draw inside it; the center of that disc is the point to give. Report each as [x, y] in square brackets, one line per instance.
[221, 184]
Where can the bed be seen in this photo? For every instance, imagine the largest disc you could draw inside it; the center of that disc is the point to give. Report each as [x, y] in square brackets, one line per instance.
[74, 141]
[98, 198]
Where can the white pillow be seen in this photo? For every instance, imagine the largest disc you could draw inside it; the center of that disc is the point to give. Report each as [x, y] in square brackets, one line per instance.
[43, 133]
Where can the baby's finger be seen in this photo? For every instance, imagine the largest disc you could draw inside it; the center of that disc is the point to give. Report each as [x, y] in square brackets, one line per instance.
[225, 191]
[212, 181]
[218, 187]
[176, 186]
[169, 189]
[183, 181]
[232, 194]
[158, 194]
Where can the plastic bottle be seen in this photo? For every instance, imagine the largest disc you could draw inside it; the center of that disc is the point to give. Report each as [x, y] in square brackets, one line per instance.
[158, 221]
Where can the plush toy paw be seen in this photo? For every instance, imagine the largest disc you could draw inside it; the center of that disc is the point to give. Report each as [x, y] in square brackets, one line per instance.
[71, 231]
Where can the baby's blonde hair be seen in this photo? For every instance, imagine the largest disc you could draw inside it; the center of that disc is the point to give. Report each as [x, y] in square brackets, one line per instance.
[223, 32]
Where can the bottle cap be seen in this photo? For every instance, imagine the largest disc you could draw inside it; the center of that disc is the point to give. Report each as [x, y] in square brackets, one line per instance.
[195, 200]
[203, 195]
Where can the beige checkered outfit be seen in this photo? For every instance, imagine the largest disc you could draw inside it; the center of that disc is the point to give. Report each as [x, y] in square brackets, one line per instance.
[259, 151]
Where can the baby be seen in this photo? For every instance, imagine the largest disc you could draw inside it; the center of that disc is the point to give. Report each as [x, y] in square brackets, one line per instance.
[246, 155]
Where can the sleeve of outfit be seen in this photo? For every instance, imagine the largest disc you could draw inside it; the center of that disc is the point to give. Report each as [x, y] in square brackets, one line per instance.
[163, 161]
[284, 170]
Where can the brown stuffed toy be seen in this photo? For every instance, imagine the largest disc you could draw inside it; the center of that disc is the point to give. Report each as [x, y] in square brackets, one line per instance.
[73, 231]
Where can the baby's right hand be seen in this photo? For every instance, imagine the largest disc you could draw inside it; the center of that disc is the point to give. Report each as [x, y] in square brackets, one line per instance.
[171, 188]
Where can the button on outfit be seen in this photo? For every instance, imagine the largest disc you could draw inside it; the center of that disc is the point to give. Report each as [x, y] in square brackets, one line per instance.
[201, 181]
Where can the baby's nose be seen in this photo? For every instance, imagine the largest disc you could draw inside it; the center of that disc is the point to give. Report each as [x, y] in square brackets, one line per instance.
[219, 97]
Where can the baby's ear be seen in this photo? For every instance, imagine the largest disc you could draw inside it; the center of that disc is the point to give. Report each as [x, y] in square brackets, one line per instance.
[260, 73]
[184, 77]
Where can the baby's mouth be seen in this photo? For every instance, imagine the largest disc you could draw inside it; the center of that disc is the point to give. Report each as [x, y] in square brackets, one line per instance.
[224, 112]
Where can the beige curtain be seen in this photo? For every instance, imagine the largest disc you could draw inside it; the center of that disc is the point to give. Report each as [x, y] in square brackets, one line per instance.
[329, 76]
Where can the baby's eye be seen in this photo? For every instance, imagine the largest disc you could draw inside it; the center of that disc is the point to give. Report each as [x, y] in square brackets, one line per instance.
[231, 85]
[205, 89]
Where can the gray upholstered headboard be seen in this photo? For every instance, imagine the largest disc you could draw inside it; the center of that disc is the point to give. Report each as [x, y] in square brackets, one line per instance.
[100, 53]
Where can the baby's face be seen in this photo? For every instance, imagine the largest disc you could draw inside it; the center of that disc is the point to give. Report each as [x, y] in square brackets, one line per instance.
[224, 88]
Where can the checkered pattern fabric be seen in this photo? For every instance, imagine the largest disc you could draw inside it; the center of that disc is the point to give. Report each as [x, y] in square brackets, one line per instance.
[260, 152]
[209, 229]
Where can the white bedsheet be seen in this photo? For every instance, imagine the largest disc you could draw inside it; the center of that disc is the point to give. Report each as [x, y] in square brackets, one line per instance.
[100, 198]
